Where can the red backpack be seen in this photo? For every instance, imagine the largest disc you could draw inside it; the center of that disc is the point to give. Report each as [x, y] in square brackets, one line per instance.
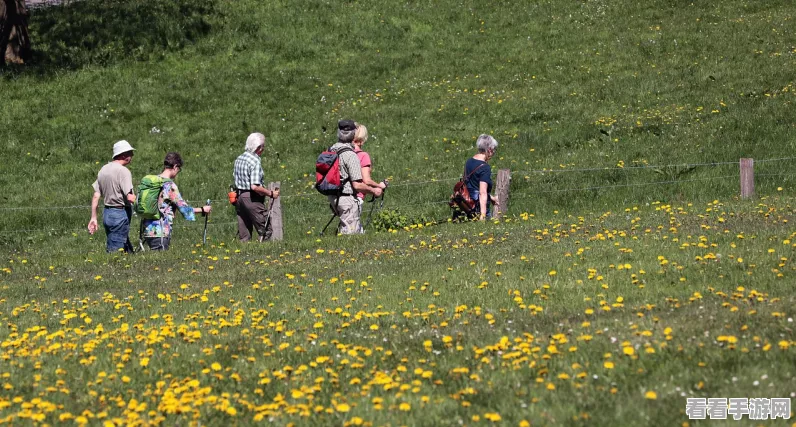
[327, 172]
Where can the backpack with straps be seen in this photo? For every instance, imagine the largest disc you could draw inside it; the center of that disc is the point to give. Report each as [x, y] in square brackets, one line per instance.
[146, 202]
[461, 195]
[327, 172]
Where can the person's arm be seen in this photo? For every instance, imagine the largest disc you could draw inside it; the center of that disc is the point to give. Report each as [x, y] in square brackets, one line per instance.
[203, 210]
[368, 180]
[257, 176]
[174, 197]
[482, 197]
[93, 225]
[361, 187]
[350, 161]
[129, 188]
[259, 189]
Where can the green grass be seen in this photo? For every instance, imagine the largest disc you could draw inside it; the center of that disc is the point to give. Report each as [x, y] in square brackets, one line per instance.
[665, 83]
[672, 282]
[591, 103]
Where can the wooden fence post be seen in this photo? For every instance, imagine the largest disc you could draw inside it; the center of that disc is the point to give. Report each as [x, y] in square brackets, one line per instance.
[502, 192]
[747, 178]
[276, 214]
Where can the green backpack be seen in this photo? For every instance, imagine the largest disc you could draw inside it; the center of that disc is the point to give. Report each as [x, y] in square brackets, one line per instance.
[146, 203]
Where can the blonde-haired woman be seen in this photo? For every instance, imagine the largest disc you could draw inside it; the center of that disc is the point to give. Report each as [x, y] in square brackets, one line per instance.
[360, 136]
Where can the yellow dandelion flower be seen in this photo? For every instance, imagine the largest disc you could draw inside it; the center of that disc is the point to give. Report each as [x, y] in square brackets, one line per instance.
[492, 416]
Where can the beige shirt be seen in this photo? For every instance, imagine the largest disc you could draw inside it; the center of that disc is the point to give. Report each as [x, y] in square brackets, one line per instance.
[114, 182]
[349, 166]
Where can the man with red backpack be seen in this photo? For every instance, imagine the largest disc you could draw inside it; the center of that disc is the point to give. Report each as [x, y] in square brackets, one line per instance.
[339, 177]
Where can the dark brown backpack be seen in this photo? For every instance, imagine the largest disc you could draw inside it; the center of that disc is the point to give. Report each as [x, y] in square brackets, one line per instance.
[461, 195]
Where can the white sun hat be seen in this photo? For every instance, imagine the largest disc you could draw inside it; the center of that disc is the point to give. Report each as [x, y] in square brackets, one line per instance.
[122, 147]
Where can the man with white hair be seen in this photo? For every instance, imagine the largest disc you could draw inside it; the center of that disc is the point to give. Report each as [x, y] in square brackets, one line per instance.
[115, 185]
[248, 178]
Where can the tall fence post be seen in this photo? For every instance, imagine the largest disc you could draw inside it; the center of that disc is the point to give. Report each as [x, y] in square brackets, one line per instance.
[747, 178]
[276, 214]
[502, 192]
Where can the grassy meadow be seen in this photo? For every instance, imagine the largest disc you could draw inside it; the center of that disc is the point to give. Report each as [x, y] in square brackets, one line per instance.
[627, 276]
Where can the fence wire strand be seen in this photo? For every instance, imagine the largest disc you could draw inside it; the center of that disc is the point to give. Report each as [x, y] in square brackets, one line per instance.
[413, 206]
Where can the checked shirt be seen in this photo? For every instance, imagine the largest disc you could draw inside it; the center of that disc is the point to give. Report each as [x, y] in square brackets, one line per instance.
[248, 171]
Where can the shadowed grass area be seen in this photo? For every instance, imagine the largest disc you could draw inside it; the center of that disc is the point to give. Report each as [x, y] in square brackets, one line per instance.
[103, 32]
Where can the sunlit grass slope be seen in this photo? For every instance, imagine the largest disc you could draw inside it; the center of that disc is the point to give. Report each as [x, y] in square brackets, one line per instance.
[606, 319]
[610, 85]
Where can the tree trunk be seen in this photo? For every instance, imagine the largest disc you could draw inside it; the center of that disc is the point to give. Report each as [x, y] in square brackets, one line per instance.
[14, 39]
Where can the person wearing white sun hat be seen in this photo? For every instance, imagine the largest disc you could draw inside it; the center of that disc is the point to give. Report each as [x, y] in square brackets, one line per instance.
[114, 185]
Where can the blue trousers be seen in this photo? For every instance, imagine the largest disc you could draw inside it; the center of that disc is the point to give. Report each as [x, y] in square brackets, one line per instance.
[117, 229]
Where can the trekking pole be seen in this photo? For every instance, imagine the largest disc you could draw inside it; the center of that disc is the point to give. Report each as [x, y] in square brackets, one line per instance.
[369, 221]
[141, 234]
[207, 215]
[373, 206]
[334, 215]
[267, 220]
[327, 224]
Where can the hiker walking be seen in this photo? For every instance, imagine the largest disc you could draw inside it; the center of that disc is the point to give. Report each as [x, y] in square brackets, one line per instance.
[365, 163]
[158, 196]
[478, 176]
[248, 177]
[114, 185]
[340, 183]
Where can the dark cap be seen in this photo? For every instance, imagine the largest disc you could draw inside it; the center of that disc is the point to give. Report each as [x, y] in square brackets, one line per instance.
[347, 125]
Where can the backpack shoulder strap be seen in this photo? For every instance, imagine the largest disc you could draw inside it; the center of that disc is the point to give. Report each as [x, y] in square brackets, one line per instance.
[468, 175]
[348, 177]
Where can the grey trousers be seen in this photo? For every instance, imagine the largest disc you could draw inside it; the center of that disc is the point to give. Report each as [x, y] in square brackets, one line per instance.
[252, 215]
[158, 243]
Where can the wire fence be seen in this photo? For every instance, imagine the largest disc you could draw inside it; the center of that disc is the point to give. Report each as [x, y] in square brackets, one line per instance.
[415, 205]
